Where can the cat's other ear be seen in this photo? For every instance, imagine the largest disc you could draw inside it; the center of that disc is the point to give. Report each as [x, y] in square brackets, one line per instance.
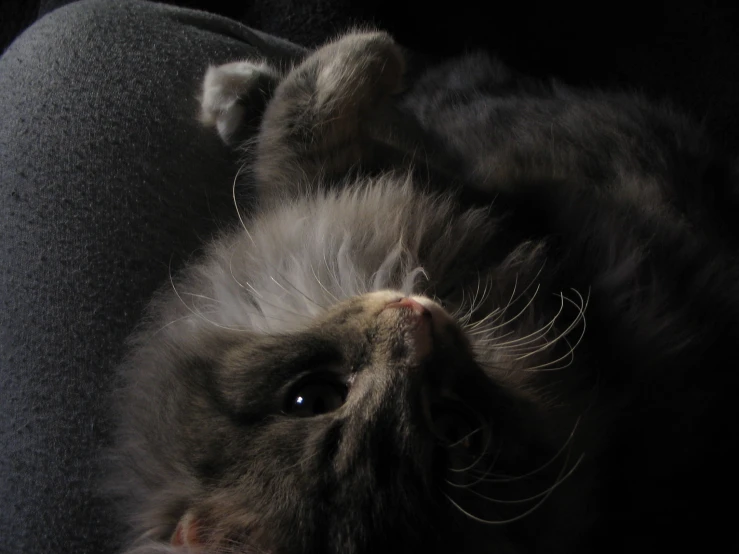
[234, 97]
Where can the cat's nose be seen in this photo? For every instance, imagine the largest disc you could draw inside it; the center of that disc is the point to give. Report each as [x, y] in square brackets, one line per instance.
[413, 305]
[417, 322]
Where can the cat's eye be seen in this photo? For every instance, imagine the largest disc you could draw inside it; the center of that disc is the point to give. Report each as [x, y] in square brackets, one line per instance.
[316, 396]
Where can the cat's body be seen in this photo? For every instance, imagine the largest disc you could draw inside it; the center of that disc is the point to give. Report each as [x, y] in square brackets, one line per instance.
[291, 394]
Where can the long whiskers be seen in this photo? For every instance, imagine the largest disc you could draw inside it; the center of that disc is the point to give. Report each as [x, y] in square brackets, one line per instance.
[320, 284]
[561, 478]
[537, 470]
[538, 341]
[197, 313]
[497, 313]
[236, 204]
[570, 354]
[478, 459]
[542, 496]
[251, 238]
[483, 474]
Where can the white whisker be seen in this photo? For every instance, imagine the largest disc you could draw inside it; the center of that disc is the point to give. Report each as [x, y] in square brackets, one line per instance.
[320, 284]
[541, 467]
[519, 314]
[236, 205]
[485, 473]
[198, 314]
[571, 351]
[477, 460]
[560, 480]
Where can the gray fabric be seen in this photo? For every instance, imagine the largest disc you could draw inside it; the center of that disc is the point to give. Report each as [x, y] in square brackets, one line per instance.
[106, 179]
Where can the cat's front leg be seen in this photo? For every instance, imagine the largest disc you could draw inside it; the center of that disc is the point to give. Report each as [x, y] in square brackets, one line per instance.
[313, 126]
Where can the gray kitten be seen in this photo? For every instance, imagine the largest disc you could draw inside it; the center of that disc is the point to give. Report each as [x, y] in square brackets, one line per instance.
[371, 364]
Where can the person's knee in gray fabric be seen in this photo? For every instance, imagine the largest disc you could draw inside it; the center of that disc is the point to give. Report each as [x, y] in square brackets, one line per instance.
[107, 179]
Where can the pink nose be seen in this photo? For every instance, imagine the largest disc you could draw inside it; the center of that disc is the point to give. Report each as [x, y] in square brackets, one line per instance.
[409, 303]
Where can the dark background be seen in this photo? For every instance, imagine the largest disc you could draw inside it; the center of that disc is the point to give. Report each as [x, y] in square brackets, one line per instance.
[687, 51]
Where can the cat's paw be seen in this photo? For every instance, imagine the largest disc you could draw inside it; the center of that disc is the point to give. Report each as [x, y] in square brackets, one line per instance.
[324, 108]
[346, 76]
[230, 90]
[357, 71]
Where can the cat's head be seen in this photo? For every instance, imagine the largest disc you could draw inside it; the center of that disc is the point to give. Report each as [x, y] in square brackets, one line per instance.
[373, 428]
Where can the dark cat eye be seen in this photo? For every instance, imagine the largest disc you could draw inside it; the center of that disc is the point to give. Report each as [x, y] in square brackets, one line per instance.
[316, 396]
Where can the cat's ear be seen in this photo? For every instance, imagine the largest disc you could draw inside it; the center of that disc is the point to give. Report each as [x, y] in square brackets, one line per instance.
[234, 97]
[236, 532]
[188, 532]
